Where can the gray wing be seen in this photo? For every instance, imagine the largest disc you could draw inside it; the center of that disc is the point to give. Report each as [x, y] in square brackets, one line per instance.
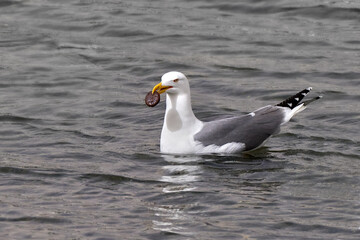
[251, 129]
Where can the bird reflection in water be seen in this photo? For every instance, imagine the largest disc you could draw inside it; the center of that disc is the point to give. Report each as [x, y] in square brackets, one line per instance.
[175, 214]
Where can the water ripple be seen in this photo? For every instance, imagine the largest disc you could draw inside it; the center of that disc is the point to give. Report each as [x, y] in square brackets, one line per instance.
[319, 11]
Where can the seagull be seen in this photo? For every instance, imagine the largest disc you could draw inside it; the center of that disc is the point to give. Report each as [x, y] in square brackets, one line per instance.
[184, 133]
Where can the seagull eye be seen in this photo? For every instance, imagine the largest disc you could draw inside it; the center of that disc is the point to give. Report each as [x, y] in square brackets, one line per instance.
[176, 80]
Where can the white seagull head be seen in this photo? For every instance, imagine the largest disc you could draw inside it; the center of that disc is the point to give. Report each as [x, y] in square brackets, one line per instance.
[173, 83]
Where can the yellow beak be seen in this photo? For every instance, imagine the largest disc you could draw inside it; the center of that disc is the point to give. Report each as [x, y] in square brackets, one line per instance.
[160, 88]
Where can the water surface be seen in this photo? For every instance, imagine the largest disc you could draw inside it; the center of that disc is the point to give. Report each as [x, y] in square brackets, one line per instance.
[79, 150]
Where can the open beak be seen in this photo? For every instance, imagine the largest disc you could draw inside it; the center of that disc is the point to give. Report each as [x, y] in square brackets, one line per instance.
[160, 88]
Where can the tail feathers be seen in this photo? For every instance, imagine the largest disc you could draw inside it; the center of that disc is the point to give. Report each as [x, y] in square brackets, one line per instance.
[294, 104]
[295, 100]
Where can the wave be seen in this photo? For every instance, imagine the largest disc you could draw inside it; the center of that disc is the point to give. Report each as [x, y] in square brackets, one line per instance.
[318, 11]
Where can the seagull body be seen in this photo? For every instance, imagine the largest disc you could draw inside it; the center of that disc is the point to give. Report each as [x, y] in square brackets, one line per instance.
[183, 133]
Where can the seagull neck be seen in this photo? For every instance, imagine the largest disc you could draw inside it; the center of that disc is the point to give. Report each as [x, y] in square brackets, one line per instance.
[181, 104]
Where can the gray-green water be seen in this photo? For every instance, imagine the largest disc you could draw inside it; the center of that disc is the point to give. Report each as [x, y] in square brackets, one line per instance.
[79, 150]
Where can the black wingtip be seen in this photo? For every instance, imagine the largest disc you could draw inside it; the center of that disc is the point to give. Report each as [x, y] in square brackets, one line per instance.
[293, 101]
[311, 100]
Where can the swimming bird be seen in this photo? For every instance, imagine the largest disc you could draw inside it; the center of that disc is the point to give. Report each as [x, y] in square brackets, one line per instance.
[184, 133]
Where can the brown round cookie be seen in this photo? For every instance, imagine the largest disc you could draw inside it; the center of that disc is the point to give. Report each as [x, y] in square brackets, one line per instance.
[152, 99]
